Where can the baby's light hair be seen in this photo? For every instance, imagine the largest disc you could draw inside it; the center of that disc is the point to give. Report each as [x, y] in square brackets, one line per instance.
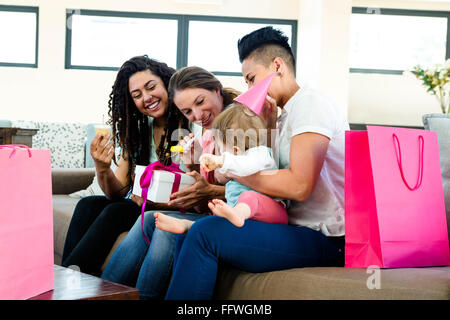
[239, 126]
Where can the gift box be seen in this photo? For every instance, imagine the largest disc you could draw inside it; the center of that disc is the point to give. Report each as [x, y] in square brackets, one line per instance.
[161, 184]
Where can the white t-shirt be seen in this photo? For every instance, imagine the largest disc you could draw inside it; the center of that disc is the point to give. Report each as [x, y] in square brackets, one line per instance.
[311, 111]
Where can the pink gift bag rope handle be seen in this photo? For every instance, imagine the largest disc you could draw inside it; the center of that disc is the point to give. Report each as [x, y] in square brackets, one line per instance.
[15, 147]
[146, 179]
[398, 154]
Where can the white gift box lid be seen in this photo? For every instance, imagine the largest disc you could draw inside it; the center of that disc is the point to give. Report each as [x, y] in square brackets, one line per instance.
[161, 185]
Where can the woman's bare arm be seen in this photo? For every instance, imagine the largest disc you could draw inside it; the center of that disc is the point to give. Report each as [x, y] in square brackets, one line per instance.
[307, 153]
[116, 184]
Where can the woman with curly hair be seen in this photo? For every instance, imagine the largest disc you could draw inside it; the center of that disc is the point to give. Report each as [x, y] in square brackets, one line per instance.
[149, 268]
[143, 121]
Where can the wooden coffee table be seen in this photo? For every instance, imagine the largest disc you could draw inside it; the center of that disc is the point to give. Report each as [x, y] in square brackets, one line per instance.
[73, 285]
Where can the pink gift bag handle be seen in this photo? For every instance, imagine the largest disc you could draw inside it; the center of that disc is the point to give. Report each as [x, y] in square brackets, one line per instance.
[15, 147]
[398, 154]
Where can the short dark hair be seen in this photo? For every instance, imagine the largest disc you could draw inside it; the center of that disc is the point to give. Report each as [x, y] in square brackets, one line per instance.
[266, 44]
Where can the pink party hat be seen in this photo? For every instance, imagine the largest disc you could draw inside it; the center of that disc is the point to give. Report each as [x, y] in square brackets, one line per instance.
[254, 97]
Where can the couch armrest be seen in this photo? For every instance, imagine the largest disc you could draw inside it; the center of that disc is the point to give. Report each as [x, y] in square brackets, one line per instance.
[65, 181]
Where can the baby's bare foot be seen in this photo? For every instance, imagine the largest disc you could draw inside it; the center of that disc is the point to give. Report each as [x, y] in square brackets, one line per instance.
[222, 209]
[171, 224]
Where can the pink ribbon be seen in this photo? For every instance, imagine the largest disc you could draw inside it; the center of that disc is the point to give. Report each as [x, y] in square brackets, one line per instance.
[398, 154]
[146, 180]
[15, 147]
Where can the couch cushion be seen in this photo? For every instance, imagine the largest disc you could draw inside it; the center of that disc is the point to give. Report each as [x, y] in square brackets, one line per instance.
[334, 283]
[63, 207]
[440, 123]
[65, 181]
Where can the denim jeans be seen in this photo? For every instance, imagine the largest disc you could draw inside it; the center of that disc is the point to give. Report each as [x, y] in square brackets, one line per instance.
[255, 247]
[147, 267]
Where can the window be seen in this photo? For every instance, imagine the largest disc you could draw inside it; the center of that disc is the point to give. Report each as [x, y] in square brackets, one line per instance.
[103, 40]
[391, 41]
[213, 44]
[18, 36]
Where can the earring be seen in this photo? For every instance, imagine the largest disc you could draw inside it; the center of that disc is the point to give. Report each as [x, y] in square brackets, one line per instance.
[279, 74]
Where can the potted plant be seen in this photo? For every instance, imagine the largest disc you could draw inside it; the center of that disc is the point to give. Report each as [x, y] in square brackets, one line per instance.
[437, 82]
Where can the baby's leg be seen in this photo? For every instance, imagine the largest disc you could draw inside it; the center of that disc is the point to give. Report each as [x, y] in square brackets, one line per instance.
[263, 208]
[172, 224]
[236, 215]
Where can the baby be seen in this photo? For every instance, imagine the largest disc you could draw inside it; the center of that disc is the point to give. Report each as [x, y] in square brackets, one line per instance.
[241, 157]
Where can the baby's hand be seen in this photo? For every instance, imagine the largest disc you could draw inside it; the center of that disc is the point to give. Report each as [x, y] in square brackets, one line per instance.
[210, 162]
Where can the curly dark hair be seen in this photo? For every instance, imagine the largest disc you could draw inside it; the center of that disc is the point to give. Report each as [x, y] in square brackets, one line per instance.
[130, 128]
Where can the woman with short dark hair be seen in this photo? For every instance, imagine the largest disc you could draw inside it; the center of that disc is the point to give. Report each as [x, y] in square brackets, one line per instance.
[311, 175]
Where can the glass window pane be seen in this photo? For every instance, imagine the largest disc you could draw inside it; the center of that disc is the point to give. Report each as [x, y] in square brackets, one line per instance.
[18, 37]
[99, 41]
[396, 42]
[213, 45]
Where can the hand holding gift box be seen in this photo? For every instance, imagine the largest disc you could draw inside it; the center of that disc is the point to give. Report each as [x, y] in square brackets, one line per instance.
[157, 182]
[162, 184]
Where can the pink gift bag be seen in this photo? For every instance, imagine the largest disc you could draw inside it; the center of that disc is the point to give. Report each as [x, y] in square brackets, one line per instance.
[394, 204]
[26, 222]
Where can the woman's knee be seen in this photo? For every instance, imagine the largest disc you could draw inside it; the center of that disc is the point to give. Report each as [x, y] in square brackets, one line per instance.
[91, 202]
[148, 226]
[163, 242]
[119, 212]
[88, 209]
[149, 220]
[206, 229]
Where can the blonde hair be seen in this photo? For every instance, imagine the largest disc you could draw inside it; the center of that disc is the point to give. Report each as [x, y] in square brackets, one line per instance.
[237, 124]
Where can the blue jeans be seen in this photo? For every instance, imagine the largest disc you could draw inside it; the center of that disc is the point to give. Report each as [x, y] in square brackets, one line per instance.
[255, 247]
[147, 267]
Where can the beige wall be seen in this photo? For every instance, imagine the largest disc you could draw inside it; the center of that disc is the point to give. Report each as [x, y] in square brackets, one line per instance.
[324, 28]
[391, 99]
[52, 93]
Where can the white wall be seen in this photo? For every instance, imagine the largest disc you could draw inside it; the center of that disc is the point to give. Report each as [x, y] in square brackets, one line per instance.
[391, 99]
[52, 93]
[324, 31]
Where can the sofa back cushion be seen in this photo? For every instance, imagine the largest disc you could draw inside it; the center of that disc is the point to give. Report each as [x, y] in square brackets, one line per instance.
[5, 123]
[440, 123]
[66, 141]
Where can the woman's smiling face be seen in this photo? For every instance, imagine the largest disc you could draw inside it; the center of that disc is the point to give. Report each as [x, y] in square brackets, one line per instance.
[148, 93]
[199, 105]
